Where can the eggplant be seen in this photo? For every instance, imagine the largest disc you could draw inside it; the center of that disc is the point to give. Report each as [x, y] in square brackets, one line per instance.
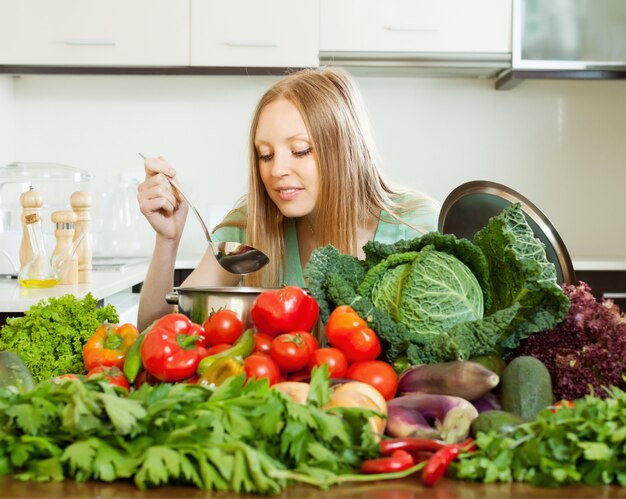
[403, 423]
[486, 403]
[460, 378]
[452, 416]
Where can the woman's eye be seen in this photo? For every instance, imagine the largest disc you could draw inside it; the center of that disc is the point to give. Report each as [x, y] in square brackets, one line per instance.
[301, 153]
[265, 157]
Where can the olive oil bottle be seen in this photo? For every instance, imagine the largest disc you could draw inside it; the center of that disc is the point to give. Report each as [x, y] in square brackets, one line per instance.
[39, 271]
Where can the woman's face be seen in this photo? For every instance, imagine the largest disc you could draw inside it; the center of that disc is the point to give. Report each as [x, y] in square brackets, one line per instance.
[286, 160]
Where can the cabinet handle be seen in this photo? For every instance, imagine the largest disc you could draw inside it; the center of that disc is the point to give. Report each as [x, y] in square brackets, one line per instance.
[614, 296]
[107, 43]
[250, 43]
[411, 27]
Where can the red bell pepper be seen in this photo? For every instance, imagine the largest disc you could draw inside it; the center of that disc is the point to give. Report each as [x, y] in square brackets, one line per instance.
[108, 346]
[284, 310]
[172, 349]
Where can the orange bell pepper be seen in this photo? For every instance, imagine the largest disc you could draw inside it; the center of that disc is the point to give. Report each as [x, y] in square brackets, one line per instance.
[107, 347]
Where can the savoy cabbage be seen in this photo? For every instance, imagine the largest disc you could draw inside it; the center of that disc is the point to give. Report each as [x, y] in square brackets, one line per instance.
[438, 298]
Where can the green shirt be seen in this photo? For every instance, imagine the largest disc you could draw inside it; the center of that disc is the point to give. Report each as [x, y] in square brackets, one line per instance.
[425, 217]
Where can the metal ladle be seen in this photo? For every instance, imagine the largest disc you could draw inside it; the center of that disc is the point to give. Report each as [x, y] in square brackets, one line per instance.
[236, 258]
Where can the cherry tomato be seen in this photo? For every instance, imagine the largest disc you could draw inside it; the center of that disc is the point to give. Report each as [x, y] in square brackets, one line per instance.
[290, 351]
[377, 373]
[309, 339]
[259, 365]
[113, 375]
[223, 326]
[262, 342]
[334, 358]
[220, 347]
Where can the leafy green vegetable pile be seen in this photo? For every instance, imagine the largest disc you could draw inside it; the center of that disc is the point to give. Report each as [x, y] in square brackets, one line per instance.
[437, 298]
[51, 334]
[237, 437]
[586, 443]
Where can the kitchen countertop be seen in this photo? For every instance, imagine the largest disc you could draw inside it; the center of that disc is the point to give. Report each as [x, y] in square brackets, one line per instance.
[105, 283]
[408, 488]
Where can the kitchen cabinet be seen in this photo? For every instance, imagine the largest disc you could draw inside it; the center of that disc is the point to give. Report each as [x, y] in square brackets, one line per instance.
[609, 284]
[94, 32]
[269, 33]
[430, 33]
[415, 25]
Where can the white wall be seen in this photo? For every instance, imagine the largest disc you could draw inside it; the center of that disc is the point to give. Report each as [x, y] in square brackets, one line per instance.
[7, 124]
[560, 143]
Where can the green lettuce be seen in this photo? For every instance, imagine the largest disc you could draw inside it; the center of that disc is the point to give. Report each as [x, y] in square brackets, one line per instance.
[438, 298]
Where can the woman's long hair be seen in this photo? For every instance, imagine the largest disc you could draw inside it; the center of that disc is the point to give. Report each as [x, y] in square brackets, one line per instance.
[352, 189]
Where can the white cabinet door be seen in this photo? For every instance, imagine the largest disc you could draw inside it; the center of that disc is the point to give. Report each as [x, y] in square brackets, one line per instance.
[270, 33]
[415, 25]
[94, 32]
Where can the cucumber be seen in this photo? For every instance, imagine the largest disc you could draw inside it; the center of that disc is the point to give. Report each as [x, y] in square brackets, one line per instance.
[493, 362]
[499, 421]
[526, 387]
[13, 372]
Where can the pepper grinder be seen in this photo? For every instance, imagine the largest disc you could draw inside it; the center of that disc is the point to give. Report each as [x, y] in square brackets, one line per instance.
[31, 202]
[63, 255]
[81, 202]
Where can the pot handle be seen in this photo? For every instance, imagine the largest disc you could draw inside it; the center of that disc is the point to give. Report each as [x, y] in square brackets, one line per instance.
[172, 297]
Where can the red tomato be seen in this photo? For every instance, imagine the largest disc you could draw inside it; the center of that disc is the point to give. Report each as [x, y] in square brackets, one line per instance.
[347, 331]
[262, 343]
[113, 375]
[309, 339]
[377, 373]
[290, 351]
[334, 358]
[259, 365]
[223, 326]
[217, 349]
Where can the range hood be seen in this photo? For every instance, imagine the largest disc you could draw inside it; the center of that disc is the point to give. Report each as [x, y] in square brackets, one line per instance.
[436, 64]
[583, 39]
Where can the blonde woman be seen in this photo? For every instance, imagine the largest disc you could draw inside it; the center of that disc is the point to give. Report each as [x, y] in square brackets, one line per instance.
[314, 180]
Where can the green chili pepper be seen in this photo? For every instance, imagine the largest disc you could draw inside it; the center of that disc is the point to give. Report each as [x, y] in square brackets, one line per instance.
[243, 347]
[133, 364]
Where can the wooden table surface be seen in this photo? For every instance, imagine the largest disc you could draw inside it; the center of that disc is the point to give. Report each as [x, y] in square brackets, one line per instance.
[409, 488]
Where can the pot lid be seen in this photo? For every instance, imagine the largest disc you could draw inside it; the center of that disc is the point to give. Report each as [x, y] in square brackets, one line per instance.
[468, 208]
[20, 171]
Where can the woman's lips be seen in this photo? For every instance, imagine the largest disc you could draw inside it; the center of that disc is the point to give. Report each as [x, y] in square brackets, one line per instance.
[288, 194]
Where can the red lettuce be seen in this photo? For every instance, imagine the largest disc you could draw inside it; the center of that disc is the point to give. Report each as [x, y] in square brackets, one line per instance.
[585, 352]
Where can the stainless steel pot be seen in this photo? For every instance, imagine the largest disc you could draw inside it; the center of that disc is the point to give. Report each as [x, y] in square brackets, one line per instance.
[198, 303]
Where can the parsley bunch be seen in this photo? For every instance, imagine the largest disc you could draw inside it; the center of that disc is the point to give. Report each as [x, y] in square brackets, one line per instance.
[50, 336]
[238, 437]
[585, 443]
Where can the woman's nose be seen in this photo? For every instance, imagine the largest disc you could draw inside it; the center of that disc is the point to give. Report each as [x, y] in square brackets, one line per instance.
[280, 166]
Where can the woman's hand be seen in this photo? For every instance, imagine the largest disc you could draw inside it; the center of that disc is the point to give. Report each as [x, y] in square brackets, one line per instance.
[157, 201]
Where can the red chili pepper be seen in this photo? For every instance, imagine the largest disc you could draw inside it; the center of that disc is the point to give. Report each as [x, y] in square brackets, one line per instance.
[284, 310]
[172, 349]
[108, 345]
[409, 444]
[562, 403]
[438, 464]
[398, 461]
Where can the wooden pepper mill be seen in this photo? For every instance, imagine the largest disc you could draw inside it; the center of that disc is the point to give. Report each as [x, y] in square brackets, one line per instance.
[31, 202]
[65, 260]
[81, 202]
